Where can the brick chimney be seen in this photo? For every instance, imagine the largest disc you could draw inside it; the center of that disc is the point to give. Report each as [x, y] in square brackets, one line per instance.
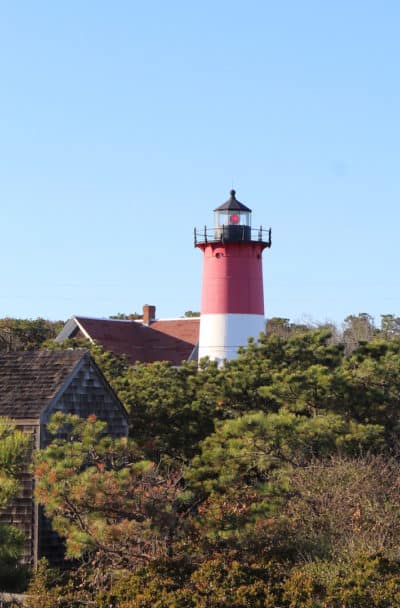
[149, 314]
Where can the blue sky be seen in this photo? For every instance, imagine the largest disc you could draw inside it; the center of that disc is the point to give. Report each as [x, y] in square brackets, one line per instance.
[123, 124]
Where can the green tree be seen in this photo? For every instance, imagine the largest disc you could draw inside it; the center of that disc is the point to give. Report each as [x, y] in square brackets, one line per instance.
[26, 334]
[131, 316]
[296, 372]
[367, 387]
[249, 448]
[390, 327]
[241, 478]
[104, 498]
[172, 409]
[284, 328]
[357, 328]
[14, 447]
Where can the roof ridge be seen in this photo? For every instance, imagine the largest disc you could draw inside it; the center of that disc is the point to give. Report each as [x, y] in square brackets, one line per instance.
[139, 321]
[177, 319]
[103, 319]
[45, 351]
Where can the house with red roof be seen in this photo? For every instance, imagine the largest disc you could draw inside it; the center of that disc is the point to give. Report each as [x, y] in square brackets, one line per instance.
[145, 340]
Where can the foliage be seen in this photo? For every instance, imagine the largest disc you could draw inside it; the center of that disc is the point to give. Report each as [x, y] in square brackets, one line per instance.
[252, 446]
[271, 481]
[50, 588]
[390, 327]
[131, 316]
[296, 372]
[104, 498]
[171, 409]
[191, 313]
[357, 329]
[14, 446]
[367, 386]
[369, 581]
[26, 334]
[341, 507]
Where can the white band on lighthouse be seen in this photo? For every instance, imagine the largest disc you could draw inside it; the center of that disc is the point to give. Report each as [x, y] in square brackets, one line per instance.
[222, 334]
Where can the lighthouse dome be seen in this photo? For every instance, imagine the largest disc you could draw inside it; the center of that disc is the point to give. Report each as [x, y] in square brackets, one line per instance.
[232, 204]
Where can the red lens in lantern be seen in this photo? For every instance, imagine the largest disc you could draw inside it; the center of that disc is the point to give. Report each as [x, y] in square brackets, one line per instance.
[234, 219]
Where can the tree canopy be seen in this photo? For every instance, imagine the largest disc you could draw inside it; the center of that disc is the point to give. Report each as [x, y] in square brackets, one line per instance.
[271, 481]
[26, 334]
[14, 447]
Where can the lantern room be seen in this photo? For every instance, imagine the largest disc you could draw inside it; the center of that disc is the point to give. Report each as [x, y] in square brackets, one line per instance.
[232, 224]
[232, 220]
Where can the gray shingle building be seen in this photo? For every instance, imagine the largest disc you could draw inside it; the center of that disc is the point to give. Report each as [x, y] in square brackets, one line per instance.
[34, 385]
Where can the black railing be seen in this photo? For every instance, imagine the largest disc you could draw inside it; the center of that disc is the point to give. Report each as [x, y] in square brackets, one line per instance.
[225, 234]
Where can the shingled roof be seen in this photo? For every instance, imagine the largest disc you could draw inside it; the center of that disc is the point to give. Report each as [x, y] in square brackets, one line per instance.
[171, 340]
[29, 381]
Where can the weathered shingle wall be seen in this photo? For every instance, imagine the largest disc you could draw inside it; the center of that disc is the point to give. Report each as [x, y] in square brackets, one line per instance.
[88, 393]
[23, 512]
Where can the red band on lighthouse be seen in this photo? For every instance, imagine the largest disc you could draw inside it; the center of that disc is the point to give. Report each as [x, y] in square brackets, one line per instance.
[232, 279]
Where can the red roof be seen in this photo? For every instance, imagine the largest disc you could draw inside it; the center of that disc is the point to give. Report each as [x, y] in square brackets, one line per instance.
[165, 340]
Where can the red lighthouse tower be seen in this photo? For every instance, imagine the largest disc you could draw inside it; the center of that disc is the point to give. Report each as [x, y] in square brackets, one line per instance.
[232, 303]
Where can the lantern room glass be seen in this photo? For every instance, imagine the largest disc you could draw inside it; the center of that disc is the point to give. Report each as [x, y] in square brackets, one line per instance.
[231, 217]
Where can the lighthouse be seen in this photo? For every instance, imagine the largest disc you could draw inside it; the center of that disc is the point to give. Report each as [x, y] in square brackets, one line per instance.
[232, 300]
